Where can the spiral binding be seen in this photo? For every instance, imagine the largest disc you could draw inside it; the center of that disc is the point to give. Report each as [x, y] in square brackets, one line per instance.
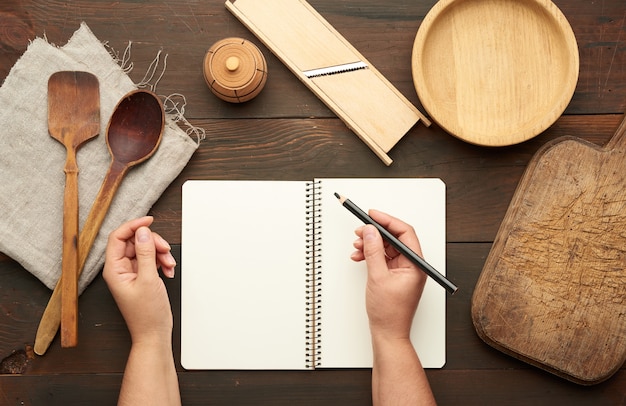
[313, 275]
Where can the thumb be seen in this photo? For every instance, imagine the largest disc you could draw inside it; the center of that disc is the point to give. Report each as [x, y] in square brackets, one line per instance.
[373, 250]
[145, 251]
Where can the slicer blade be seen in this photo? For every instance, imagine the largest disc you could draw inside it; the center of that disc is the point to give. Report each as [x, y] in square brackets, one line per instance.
[332, 70]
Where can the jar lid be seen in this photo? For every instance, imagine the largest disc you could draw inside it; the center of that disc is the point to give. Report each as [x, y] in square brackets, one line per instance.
[235, 70]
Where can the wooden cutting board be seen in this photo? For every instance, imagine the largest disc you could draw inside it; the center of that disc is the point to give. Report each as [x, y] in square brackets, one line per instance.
[553, 288]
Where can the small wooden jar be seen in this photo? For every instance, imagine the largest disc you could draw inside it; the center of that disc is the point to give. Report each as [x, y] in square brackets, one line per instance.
[235, 70]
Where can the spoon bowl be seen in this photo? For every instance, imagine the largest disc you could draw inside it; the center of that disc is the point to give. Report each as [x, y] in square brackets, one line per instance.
[136, 127]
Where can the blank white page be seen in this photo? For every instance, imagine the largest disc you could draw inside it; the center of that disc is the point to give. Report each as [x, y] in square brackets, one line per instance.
[243, 275]
[345, 330]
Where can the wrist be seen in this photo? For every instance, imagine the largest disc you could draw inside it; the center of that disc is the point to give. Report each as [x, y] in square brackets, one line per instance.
[152, 339]
[390, 331]
[391, 338]
[382, 336]
[388, 348]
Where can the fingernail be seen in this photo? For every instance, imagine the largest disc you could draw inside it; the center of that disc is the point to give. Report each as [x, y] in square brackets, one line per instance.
[143, 234]
[164, 241]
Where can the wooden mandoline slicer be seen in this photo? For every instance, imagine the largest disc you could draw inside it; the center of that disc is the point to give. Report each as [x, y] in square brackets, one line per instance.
[332, 69]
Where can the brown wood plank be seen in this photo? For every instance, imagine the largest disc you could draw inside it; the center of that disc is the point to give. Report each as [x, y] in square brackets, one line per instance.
[480, 181]
[102, 327]
[383, 33]
[504, 387]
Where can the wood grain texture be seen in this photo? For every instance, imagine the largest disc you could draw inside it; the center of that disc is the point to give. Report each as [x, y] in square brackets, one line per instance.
[321, 388]
[480, 181]
[303, 40]
[475, 372]
[495, 73]
[73, 119]
[552, 289]
[384, 33]
[133, 135]
[287, 133]
[235, 70]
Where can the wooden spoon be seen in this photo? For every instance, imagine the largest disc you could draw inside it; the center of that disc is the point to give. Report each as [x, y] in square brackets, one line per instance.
[73, 119]
[133, 135]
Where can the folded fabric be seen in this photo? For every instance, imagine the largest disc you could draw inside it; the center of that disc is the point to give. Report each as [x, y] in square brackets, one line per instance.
[32, 180]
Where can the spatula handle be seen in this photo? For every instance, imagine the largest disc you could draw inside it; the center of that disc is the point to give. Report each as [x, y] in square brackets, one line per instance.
[69, 274]
[51, 319]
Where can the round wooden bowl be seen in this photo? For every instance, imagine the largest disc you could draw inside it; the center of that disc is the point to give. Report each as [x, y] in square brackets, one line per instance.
[235, 70]
[495, 72]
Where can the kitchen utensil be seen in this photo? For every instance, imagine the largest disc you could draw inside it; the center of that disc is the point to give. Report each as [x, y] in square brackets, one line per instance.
[495, 73]
[332, 69]
[133, 135]
[552, 289]
[73, 119]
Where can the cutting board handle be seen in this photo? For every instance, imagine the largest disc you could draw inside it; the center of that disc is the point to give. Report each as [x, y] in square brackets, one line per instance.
[618, 142]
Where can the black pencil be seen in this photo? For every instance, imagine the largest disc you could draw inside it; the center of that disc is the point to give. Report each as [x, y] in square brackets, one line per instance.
[398, 245]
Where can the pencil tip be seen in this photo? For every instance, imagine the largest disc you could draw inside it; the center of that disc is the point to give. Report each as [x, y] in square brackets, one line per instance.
[341, 198]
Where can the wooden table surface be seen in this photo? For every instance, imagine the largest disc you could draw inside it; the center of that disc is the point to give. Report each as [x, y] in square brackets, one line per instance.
[287, 133]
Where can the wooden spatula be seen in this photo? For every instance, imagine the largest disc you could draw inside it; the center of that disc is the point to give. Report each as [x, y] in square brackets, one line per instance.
[73, 118]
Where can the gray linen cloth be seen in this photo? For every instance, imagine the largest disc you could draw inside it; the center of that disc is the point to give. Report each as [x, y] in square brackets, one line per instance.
[32, 180]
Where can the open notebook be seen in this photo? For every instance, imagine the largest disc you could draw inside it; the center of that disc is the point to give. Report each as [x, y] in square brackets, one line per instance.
[267, 279]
